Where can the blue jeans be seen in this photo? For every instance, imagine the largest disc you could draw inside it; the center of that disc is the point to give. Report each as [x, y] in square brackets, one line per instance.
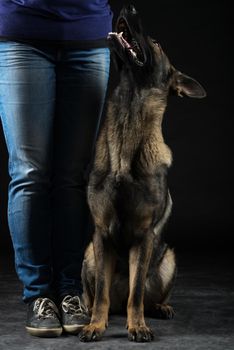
[51, 102]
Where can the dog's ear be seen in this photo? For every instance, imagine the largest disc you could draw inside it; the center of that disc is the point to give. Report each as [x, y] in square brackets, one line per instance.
[184, 85]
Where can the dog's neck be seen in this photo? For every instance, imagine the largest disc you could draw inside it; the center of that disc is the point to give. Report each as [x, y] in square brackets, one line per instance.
[133, 102]
[134, 119]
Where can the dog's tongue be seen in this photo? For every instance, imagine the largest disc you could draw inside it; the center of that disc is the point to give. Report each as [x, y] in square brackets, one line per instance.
[123, 42]
[120, 38]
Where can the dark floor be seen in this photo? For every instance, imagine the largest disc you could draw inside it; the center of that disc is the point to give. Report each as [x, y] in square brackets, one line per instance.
[203, 299]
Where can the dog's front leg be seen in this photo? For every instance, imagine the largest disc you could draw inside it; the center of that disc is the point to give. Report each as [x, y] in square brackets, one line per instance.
[104, 261]
[139, 258]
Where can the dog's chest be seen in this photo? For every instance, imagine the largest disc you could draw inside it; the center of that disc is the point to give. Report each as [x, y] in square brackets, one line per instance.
[124, 139]
[134, 134]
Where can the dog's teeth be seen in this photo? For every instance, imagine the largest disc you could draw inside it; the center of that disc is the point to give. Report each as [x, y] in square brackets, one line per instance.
[115, 33]
[133, 52]
[120, 35]
[111, 34]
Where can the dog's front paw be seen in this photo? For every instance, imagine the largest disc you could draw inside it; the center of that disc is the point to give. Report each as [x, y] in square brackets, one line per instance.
[140, 334]
[91, 332]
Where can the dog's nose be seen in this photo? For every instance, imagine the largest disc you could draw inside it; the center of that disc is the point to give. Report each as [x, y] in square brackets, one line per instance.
[131, 9]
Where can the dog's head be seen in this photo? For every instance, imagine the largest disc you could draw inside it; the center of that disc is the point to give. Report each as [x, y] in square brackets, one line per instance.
[144, 57]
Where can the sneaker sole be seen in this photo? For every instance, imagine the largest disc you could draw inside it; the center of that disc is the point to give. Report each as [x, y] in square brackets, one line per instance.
[73, 329]
[45, 332]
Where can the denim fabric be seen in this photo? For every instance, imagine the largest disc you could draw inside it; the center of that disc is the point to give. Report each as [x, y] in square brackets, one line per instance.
[51, 101]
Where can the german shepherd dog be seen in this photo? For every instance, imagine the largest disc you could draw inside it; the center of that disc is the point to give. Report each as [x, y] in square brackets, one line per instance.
[128, 264]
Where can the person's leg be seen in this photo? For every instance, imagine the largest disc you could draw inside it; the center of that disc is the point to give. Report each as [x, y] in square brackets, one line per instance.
[82, 78]
[27, 100]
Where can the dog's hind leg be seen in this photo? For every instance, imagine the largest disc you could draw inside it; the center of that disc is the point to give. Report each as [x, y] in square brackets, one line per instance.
[161, 274]
[167, 272]
[105, 262]
[159, 285]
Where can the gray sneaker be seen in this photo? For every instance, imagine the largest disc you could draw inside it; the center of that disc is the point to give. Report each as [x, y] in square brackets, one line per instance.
[74, 314]
[43, 318]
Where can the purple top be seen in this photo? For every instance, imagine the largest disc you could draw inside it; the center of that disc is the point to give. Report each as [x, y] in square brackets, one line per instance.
[55, 19]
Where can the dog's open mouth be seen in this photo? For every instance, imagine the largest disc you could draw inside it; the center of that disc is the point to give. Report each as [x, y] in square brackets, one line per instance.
[127, 41]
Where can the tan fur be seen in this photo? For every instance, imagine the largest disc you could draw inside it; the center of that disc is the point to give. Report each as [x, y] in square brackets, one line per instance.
[123, 142]
[167, 268]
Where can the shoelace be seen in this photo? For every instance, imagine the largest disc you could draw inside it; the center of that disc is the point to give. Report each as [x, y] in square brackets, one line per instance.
[74, 306]
[45, 308]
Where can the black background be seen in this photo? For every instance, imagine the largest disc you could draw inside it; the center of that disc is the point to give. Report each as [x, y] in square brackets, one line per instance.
[196, 36]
